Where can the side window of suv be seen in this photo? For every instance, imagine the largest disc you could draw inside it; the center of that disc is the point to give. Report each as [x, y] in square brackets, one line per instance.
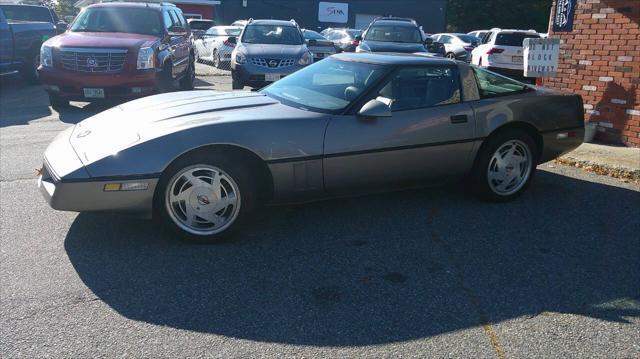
[420, 87]
[168, 22]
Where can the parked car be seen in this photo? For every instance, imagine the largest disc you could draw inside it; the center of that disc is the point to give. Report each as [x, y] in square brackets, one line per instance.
[20, 42]
[33, 13]
[478, 33]
[342, 126]
[344, 39]
[457, 46]
[199, 26]
[215, 47]
[119, 51]
[394, 34]
[319, 46]
[501, 51]
[266, 51]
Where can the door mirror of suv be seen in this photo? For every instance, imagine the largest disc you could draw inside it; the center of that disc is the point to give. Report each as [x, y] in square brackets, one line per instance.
[374, 109]
[176, 30]
[233, 40]
[61, 27]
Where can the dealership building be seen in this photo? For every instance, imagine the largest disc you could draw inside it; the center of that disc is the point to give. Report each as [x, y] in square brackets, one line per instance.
[314, 14]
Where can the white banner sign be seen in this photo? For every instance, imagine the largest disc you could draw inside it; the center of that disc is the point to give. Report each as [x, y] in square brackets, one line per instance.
[333, 12]
[541, 57]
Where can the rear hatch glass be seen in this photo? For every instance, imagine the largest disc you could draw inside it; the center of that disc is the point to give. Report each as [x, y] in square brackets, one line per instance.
[514, 38]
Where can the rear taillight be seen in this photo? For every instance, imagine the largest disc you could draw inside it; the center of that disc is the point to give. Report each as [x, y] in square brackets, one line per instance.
[495, 51]
[228, 43]
[355, 43]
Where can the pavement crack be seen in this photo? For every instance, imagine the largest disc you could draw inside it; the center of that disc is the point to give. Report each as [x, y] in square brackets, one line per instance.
[2, 180]
[473, 298]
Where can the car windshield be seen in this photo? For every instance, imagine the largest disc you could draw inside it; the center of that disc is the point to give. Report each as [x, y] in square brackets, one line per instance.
[327, 86]
[406, 34]
[312, 35]
[514, 38]
[26, 13]
[200, 25]
[354, 33]
[468, 39]
[272, 34]
[119, 19]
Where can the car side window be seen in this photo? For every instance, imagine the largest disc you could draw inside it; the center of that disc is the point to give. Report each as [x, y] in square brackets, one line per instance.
[168, 22]
[419, 87]
[177, 19]
[445, 39]
[493, 85]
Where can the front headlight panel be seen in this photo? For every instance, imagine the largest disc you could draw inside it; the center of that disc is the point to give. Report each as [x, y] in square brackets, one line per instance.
[305, 59]
[240, 58]
[146, 56]
[46, 56]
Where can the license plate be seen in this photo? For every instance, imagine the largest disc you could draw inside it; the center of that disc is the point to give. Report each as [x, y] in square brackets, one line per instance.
[93, 93]
[517, 59]
[271, 77]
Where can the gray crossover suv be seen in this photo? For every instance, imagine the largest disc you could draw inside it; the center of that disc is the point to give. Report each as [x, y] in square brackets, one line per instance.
[266, 51]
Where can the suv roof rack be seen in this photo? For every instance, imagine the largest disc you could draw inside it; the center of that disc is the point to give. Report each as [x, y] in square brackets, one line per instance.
[395, 19]
[156, 2]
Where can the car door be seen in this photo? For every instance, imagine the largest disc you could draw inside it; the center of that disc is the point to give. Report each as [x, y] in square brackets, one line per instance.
[181, 42]
[6, 42]
[429, 136]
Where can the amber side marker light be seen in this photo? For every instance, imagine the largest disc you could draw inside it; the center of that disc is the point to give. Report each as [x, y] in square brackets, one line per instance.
[129, 186]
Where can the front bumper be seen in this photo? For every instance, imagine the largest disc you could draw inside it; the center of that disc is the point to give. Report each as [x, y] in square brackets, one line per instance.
[254, 75]
[67, 186]
[70, 85]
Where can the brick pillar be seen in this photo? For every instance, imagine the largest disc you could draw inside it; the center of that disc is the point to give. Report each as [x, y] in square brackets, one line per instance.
[600, 60]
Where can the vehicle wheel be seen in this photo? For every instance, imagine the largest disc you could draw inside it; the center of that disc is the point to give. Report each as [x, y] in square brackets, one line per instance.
[236, 83]
[30, 70]
[451, 55]
[205, 197]
[216, 58]
[165, 83]
[505, 166]
[56, 102]
[186, 82]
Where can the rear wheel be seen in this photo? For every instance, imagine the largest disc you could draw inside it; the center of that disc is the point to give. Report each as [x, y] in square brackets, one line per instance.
[505, 166]
[165, 82]
[30, 69]
[205, 198]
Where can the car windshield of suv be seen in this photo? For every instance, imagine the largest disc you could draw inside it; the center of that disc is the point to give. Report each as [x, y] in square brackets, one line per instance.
[327, 86]
[406, 34]
[312, 35]
[354, 33]
[514, 38]
[119, 19]
[272, 34]
[26, 13]
[200, 25]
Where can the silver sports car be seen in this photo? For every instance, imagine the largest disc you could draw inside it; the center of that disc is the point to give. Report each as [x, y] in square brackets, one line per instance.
[202, 161]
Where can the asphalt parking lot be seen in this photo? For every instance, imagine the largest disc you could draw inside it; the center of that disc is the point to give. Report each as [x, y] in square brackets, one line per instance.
[420, 273]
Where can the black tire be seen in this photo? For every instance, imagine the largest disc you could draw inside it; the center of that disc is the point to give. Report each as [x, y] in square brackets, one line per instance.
[29, 71]
[165, 80]
[243, 177]
[236, 83]
[215, 59]
[483, 185]
[57, 102]
[187, 81]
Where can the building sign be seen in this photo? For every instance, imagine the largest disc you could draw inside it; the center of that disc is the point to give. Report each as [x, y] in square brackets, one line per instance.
[333, 12]
[541, 57]
[563, 16]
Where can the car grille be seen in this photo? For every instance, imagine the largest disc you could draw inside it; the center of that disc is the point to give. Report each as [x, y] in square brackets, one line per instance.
[93, 60]
[272, 63]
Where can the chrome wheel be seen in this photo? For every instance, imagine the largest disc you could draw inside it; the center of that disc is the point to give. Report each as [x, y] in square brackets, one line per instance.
[510, 167]
[451, 56]
[202, 200]
[216, 59]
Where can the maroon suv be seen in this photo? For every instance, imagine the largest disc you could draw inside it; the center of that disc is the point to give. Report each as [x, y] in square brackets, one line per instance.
[119, 51]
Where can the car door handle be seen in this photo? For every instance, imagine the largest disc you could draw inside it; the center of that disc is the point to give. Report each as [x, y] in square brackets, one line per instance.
[459, 119]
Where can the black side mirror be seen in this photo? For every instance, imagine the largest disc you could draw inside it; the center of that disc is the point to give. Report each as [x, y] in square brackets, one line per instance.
[61, 27]
[359, 38]
[232, 40]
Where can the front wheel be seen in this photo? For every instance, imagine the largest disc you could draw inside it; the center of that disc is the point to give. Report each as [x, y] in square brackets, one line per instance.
[451, 56]
[57, 102]
[505, 166]
[29, 71]
[187, 81]
[205, 198]
[236, 83]
[216, 58]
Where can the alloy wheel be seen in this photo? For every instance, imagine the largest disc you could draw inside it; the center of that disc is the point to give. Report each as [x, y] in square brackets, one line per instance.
[509, 167]
[202, 200]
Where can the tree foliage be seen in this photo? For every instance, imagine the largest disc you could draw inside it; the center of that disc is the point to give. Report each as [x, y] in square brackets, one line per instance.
[468, 15]
[66, 8]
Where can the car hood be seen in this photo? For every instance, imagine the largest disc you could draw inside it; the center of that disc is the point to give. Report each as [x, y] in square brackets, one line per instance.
[102, 40]
[381, 46]
[272, 50]
[120, 127]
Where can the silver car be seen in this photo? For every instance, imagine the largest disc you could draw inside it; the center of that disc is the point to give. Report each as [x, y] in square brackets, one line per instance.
[266, 51]
[214, 46]
[202, 161]
[457, 46]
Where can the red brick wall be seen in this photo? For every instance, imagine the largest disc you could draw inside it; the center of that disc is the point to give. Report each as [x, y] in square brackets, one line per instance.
[600, 60]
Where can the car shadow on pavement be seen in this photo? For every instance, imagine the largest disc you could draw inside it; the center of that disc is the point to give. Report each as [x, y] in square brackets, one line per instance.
[377, 269]
[20, 102]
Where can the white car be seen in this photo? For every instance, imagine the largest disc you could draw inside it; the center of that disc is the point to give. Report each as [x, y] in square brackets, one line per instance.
[501, 51]
[214, 46]
[457, 46]
[478, 33]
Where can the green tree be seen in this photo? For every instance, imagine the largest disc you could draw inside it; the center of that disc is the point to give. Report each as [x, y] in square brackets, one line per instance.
[66, 8]
[468, 15]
